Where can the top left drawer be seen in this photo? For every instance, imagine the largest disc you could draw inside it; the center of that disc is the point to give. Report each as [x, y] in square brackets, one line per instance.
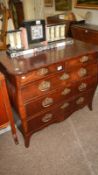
[41, 73]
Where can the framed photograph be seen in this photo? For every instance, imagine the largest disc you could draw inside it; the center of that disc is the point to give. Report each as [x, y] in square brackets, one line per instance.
[35, 31]
[48, 3]
[62, 5]
[89, 4]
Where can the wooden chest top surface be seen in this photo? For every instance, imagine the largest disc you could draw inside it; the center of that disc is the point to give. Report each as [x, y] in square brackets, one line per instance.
[22, 65]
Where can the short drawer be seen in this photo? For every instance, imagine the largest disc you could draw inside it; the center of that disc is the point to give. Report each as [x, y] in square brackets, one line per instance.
[49, 101]
[44, 86]
[57, 114]
[83, 60]
[41, 73]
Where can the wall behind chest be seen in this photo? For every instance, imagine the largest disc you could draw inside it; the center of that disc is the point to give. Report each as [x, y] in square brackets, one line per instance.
[82, 13]
[33, 9]
[77, 11]
[30, 10]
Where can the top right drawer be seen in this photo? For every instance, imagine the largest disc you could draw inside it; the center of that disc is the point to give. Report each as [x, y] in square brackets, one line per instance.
[81, 61]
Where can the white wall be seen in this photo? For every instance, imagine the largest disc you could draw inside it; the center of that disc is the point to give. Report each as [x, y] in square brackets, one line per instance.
[28, 7]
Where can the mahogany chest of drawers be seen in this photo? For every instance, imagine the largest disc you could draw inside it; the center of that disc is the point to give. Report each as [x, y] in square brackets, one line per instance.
[85, 32]
[49, 86]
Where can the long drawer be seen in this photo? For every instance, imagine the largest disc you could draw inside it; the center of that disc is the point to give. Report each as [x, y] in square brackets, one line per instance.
[56, 114]
[49, 101]
[59, 113]
[57, 96]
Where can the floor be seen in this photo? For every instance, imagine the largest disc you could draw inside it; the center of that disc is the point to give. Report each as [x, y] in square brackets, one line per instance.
[66, 148]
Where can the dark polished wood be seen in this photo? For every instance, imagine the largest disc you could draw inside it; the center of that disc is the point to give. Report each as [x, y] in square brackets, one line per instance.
[85, 32]
[49, 86]
[6, 115]
[17, 13]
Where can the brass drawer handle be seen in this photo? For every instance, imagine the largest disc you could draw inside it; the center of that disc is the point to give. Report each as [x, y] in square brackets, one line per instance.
[42, 71]
[47, 118]
[65, 76]
[44, 85]
[65, 91]
[84, 59]
[82, 72]
[47, 102]
[82, 86]
[80, 100]
[65, 105]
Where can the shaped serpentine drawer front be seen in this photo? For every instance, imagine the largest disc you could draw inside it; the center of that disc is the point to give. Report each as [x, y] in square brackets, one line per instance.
[56, 114]
[49, 101]
[42, 73]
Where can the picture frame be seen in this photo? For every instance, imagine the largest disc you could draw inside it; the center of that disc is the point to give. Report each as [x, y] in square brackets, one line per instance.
[35, 31]
[88, 4]
[48, 3]
[62, 5]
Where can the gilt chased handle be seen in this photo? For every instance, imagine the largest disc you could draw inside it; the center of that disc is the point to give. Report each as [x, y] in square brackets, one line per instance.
[65, 105]
[80, 101]
[66, 91]
[84, 59]
[65, 76]
[47, 102]
[44, 86]
[47, 118]
[82, 72]
[82, 86]
[42, 71]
